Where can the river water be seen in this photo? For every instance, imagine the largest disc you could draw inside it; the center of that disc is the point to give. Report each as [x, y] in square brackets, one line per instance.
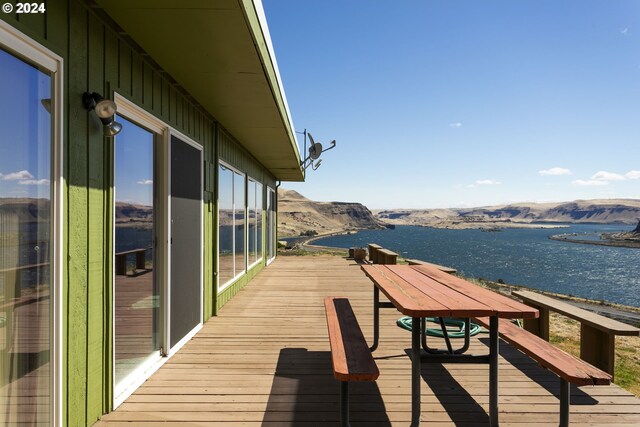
[520, 257]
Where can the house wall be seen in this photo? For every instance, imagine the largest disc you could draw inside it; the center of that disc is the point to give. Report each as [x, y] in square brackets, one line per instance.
[96, 58]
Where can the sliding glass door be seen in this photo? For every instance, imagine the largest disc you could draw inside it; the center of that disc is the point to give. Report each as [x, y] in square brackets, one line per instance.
[137, 293]
[26, 282]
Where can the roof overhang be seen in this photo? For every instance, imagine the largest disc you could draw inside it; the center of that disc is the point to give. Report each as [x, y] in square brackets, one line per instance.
[220, 52]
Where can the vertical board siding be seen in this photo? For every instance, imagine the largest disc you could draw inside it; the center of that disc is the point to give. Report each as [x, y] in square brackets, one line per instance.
[77, 217]
[97, 213]
[98, 59]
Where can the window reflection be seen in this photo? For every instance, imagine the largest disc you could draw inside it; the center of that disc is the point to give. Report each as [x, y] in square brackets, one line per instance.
[232, 224]
[25, 223]
[137, 295]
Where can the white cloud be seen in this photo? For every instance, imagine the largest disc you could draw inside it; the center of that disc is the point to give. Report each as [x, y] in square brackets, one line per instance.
[554, 172]
[607, 176]
[145, 182]
[488, 182]
[624, 31]
[589, 183]
[455, 125]
[632, 175]
[14, 176]
[34, 182]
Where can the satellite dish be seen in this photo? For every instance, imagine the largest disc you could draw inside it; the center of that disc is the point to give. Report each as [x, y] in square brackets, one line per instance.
[315, 150]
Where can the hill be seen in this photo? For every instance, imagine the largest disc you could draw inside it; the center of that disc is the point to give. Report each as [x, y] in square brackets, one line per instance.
[606, 211]
[297, 214]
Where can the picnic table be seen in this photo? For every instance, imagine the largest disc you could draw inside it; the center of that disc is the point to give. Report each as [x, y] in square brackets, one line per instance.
[421, 291]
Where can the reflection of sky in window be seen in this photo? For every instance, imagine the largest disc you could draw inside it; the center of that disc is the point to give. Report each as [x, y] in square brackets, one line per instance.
[25, 129]
[225, 188]
[134, 164]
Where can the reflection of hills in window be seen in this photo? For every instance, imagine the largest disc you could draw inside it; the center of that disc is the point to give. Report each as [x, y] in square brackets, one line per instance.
[134, 215]
[27, 209]
[225, 217]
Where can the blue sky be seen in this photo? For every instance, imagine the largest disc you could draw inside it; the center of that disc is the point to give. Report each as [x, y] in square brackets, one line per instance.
[464, 103]
[25, 135]
[133, 164]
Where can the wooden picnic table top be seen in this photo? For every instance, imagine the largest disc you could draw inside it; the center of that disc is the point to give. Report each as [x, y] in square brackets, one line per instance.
[424, 291]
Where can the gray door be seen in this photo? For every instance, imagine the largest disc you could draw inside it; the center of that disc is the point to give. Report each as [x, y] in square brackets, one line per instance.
[186, 239]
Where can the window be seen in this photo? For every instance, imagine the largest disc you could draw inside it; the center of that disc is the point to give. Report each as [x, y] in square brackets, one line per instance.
[232, 254]
[254, 208]
[27, 285]
[271, 223]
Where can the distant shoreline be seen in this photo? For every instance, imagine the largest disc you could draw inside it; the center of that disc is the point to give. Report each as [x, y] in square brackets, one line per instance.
[615, 243]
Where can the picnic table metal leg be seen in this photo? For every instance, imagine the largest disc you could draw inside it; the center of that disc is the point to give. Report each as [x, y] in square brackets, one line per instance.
[565, 399]
[493, 371]
[445, 334]
[376, 318]
[344, 404]
[415, 371]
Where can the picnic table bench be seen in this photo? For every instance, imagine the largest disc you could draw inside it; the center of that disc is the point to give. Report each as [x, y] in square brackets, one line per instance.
[352, 360]
[373, 252]
[121, 260]
[439, 267]
[570, 369]
[597, 333]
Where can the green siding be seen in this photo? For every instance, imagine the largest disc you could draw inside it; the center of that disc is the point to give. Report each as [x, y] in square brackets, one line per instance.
[97, 58]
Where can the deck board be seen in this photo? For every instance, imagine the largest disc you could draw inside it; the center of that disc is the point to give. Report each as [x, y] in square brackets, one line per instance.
[264, 361]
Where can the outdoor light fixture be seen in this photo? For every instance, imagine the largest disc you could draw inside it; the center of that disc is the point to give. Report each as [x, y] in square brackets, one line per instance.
[105, 110]
[314, 151]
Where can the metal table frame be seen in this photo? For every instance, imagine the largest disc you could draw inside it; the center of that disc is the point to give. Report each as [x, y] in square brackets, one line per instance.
[419, 342]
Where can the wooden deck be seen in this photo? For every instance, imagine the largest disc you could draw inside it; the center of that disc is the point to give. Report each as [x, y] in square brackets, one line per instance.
[264, 361]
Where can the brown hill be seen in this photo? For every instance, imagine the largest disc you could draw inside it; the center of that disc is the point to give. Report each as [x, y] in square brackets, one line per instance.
[608, 211]
[297, 214]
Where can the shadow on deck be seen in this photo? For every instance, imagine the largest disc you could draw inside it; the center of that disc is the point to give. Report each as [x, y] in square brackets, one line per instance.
[264, 361]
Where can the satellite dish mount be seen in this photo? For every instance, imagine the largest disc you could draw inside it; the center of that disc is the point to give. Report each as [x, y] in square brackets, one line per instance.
[314, 151]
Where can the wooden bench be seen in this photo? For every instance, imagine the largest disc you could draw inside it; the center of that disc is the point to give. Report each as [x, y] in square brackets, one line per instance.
[439, 267]
[597, 333]
[373, 252]
[350, 355]
[385, 256]
[121, 260]
[570, 369]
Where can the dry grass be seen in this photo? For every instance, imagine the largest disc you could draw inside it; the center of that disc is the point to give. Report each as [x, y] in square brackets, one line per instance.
[565, 334]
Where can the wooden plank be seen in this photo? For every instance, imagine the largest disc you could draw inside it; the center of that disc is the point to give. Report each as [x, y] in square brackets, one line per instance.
[264, 361]
[459, 304]
[407, 299]
[96, 231]
[558, 361]
[506, 307]
[584, 316]
[77, 211]
[439, 267]
[352, 359]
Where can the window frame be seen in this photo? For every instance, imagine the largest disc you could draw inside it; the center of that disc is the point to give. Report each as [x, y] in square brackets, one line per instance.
[259, 253]
[274, 243]
[236, 276]
[28, 50]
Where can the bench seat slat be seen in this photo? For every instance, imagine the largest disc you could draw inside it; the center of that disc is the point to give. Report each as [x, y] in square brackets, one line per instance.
[584, 316]
[353, 362]
[547, 355]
